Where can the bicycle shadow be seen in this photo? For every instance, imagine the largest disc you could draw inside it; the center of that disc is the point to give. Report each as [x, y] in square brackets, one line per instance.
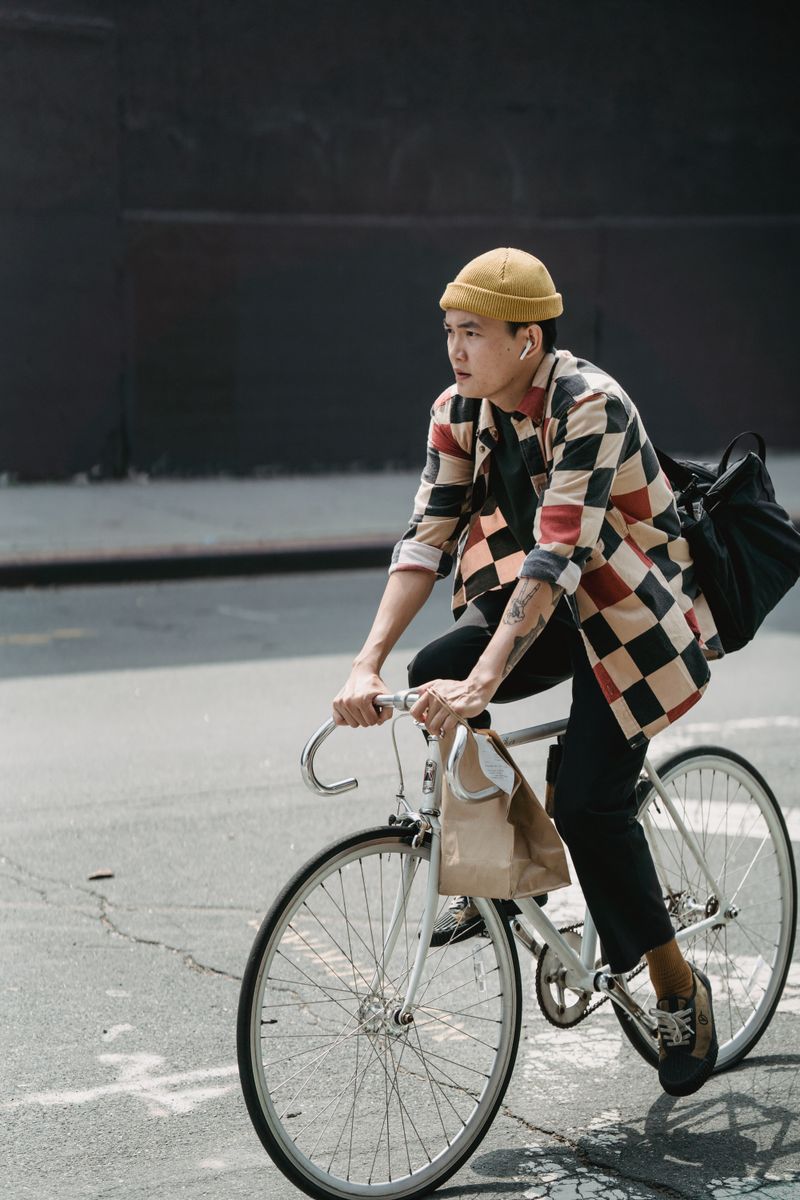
[740, 1138]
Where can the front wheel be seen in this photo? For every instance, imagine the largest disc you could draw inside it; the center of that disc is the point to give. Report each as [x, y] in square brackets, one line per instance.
[738, 823]
[347, 1102]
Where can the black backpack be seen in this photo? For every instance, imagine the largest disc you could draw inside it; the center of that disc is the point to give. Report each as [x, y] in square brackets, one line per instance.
[745, 548]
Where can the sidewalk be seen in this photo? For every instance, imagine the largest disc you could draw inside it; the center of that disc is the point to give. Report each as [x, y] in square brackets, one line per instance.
[71, 533]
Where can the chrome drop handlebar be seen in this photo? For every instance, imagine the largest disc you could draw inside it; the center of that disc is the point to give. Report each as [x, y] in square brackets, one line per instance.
[401, 701]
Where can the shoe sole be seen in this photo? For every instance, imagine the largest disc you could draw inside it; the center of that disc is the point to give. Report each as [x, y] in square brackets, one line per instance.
[694, 1084]
[469, 929]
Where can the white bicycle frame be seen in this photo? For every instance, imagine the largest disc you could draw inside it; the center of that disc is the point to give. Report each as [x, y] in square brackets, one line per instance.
[581, 972]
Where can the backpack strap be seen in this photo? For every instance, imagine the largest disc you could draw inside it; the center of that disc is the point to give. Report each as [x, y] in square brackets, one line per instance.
[762, 449]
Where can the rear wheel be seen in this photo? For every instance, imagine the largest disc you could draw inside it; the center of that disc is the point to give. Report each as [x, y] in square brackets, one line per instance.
[347, 1102]
[738, 824]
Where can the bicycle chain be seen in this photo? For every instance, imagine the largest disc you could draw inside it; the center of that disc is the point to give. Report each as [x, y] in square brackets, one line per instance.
[597, 1003]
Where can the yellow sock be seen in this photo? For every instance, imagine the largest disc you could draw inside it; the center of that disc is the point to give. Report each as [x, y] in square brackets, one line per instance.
[670, 973]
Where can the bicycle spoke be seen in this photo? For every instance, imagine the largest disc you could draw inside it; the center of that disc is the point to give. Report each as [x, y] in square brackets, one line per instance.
[324, 961]
[340, 948]
[415, 1033]
[454, 1084]
[316, 1064]
[459, 1012]
[471, 1036]
[458, 987]
[320, 987]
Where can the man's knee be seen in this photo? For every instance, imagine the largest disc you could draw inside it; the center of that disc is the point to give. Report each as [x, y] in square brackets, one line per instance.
[442, 659]
[420, 668]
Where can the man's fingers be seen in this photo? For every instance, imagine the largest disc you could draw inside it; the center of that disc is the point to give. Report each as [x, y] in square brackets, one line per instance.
[367, 712]
[419, 709]
[360, 712]
[342, 717]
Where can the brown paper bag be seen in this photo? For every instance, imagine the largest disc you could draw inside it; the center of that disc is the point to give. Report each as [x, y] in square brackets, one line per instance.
[500, 848]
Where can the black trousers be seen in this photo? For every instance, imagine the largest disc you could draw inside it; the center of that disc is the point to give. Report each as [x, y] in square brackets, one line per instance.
[594, 800]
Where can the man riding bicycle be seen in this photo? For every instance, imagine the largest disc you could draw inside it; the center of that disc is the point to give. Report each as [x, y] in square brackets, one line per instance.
[542, 482]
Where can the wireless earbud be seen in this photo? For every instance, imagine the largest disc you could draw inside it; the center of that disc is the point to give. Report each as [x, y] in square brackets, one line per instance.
[526, 348]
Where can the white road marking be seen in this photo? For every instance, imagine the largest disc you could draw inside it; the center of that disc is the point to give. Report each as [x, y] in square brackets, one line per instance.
[677, 737]
[162, 1095]
[111, 1035]
[733, 818]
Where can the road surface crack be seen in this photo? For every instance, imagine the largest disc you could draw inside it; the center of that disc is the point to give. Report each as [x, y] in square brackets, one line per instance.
[33, 881]
[188, 959]
[588, 1162]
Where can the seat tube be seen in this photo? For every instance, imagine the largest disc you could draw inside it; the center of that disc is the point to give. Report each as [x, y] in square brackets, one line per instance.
[589, 942]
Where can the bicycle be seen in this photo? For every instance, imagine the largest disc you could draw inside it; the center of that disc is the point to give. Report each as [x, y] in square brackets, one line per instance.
[373, 1064]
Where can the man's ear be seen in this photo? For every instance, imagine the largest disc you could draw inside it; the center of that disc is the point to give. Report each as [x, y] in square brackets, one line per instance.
[536, 337]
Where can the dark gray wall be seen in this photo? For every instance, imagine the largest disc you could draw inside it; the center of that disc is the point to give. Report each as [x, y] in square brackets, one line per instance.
[226, 227]
[60, 333]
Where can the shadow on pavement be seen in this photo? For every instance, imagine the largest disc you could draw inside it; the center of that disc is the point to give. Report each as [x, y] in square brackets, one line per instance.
[723, 1145]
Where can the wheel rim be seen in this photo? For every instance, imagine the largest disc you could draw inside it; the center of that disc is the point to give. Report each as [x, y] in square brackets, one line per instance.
[358, 1105]
[744, 843]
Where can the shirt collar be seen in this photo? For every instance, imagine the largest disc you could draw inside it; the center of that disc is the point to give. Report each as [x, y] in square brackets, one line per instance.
[531, 406]
[533, 402]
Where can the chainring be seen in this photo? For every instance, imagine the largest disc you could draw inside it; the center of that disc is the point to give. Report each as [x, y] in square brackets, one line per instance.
[563, 1006]
[551, 988]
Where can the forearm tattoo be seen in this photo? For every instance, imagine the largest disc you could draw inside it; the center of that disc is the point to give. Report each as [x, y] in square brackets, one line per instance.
[515, 615]
[516, 610]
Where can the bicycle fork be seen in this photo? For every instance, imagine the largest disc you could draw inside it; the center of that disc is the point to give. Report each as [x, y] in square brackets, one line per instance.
[404, 1014]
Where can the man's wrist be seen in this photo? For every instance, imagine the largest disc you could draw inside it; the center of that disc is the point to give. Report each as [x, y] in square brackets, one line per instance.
[485, 681]
[372, 665]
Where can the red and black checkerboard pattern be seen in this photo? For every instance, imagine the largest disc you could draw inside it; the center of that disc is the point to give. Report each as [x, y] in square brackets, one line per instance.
[606, 530]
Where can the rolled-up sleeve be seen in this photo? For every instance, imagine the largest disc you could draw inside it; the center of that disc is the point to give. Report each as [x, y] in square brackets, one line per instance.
[442, 502]
[588, 445]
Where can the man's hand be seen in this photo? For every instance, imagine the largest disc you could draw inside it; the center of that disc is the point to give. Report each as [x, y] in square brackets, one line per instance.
[466, 697]
[355, 703]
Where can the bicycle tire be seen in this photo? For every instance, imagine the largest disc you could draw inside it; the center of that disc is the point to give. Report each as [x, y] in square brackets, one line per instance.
[737, 820]
[315, 956]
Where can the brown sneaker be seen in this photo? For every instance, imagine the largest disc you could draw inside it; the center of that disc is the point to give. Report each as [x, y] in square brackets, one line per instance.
[687, 1039]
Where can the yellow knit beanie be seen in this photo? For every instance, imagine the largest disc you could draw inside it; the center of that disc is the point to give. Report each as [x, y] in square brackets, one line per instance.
[507, 284]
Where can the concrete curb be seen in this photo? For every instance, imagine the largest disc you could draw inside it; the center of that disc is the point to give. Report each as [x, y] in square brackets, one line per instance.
[166, 563]
[158, 564]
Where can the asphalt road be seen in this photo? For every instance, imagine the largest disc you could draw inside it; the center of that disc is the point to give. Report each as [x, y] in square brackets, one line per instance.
[153, 732]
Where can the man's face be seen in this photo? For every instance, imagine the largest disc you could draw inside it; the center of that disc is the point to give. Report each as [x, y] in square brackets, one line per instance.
[484, 356]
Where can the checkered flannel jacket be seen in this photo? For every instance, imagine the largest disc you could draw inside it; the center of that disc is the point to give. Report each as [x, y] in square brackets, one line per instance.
[606, 530]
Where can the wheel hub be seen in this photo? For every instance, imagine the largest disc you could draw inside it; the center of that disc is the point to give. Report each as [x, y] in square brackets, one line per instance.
[686, 909]
[376, 1016]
